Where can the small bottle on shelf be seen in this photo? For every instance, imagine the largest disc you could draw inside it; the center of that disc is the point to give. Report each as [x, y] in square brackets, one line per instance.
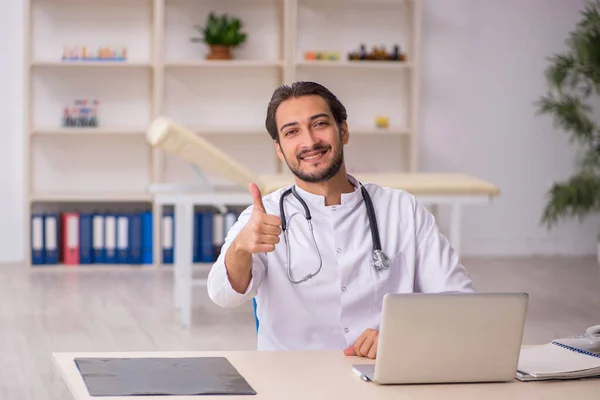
[362, 54]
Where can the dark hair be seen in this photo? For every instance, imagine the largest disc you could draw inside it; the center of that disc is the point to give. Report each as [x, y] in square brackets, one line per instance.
[298, 89]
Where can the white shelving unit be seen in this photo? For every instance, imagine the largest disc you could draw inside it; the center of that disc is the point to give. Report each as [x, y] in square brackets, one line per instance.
[167, 74]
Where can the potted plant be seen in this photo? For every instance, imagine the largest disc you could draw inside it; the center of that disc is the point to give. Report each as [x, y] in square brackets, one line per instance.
[573, 79]
[220, 34]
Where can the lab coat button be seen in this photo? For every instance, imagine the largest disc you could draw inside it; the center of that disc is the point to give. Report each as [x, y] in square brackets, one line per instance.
[347, 330]
[339, 251]
[332, 208]
[344, 289]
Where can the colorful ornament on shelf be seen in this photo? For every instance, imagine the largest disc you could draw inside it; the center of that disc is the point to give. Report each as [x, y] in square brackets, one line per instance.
[85, 53]
[382, 121]
[321, 55]
[83, 113]
[377, 54]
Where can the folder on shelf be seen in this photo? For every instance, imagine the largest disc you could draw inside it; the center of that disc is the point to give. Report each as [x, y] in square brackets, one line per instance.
[147, 242]
[218, 235]
[51, 238]
[229, 220]
[197, 235]
[71, 238]
[122, 239]
[86, 254]
[37, 239]
[135, 238]
[185, 144]
[206, 237]
[98, 238]
[110, 239]
[168, 234]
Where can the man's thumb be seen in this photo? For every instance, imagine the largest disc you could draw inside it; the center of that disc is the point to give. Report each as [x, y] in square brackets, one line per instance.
[257, 197]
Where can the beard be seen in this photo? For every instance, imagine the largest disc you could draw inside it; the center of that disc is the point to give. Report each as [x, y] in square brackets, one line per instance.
[324, 174]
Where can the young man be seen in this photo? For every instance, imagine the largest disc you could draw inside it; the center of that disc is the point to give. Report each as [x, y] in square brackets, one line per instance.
[315, 285]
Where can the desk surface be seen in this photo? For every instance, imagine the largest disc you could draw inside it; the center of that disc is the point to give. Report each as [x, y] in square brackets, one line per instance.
[327, 375]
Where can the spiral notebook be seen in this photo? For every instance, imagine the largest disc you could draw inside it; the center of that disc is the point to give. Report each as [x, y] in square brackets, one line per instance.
[556, 361]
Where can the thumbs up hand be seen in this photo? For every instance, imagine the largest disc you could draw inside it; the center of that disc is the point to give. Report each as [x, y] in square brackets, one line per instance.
[262, 231]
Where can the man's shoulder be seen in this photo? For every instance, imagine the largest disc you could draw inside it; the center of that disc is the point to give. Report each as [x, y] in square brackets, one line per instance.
[388, 193]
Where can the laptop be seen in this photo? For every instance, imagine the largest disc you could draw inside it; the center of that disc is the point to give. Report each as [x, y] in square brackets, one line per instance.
[448, 338]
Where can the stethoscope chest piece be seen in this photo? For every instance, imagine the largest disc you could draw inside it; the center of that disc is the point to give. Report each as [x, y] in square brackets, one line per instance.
[380, 261]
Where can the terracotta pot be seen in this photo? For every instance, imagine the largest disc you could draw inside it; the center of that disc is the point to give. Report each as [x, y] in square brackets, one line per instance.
[219, 52]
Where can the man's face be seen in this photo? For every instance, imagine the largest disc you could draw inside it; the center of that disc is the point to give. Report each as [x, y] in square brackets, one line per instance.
[309, 139]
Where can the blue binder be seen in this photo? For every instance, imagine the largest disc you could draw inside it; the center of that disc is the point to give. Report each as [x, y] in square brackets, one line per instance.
[86, 255]
[147, 244]
[135, 238]
[37, 239]
[51, 241]
[110, 239]
[98, 239]
[197, 235]
[122, 239]
[168, 238]
[207, 250]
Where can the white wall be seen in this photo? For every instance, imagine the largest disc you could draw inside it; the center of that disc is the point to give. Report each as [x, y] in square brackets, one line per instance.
[12, 177]
[483, 63]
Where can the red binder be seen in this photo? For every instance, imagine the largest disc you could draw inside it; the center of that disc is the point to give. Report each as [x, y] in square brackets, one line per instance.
[70, 222]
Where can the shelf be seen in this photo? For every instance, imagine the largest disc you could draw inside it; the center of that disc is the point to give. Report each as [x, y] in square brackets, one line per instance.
[229, 130]
[91, 197]
[92, 64]
[393, 131]
[92, 267]
[224, 101]
[111, 267]
[355, 3]
[224, 64]
[366, 64]
[94, 132]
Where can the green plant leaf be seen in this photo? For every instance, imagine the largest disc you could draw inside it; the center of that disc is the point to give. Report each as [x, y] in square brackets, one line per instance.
[573, 77]
[222, 30]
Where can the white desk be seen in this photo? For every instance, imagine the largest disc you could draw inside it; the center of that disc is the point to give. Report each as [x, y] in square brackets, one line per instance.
[327, 375]
[453, 190]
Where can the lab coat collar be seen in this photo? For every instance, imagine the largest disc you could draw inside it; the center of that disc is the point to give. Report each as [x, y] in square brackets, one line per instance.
[348, 199]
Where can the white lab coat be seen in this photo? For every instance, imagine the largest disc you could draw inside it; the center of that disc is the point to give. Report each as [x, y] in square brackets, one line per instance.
[331, 310]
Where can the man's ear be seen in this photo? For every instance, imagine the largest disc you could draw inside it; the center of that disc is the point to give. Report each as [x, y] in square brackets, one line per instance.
[278, 149]
[345, 134]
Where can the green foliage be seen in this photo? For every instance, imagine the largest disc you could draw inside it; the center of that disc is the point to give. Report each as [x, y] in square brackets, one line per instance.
[221, 30]
[573, 80]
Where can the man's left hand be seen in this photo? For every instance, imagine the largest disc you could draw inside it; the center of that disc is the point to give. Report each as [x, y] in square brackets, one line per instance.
[365, 345]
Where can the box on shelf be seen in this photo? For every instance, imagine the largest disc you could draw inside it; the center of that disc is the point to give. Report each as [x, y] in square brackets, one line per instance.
[377, 54]
[85, 53]
[321, 55]
[83, 113]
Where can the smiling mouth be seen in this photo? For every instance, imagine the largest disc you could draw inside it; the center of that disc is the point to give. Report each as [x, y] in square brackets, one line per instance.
[313, 155]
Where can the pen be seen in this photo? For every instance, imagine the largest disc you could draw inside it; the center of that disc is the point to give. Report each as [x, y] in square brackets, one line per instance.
[361, 376]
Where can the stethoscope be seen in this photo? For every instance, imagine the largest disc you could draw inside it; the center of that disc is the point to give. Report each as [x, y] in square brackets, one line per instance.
[379, 260]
